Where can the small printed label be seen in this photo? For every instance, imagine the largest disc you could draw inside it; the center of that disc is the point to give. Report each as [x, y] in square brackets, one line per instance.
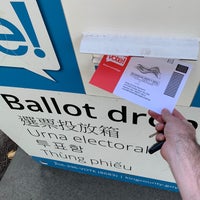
[119, 60]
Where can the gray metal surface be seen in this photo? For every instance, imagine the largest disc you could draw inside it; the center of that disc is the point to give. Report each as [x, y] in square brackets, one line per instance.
[27, 180]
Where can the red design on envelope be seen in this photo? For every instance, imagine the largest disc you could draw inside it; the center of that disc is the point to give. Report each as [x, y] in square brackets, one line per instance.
[109, 72]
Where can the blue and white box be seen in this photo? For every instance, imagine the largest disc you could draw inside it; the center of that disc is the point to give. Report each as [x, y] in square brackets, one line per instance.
[52, 112]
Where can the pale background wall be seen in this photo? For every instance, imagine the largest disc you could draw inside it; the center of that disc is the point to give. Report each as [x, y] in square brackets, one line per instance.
[169, 18]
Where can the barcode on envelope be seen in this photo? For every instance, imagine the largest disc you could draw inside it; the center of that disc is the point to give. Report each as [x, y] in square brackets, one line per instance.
[173, 84]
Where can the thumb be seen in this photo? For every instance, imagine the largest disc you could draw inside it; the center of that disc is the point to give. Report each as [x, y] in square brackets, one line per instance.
[177, 114]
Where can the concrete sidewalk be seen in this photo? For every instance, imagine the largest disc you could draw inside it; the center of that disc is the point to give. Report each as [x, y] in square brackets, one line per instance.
[27, 180]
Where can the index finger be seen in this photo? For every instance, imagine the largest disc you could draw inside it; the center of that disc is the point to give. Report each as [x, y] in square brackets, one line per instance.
[156, 116]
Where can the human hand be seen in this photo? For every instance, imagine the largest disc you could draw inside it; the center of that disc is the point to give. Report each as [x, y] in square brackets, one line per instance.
[180, 150]
[178, 132]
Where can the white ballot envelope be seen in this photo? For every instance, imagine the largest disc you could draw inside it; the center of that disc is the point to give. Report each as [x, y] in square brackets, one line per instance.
[154, 83]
